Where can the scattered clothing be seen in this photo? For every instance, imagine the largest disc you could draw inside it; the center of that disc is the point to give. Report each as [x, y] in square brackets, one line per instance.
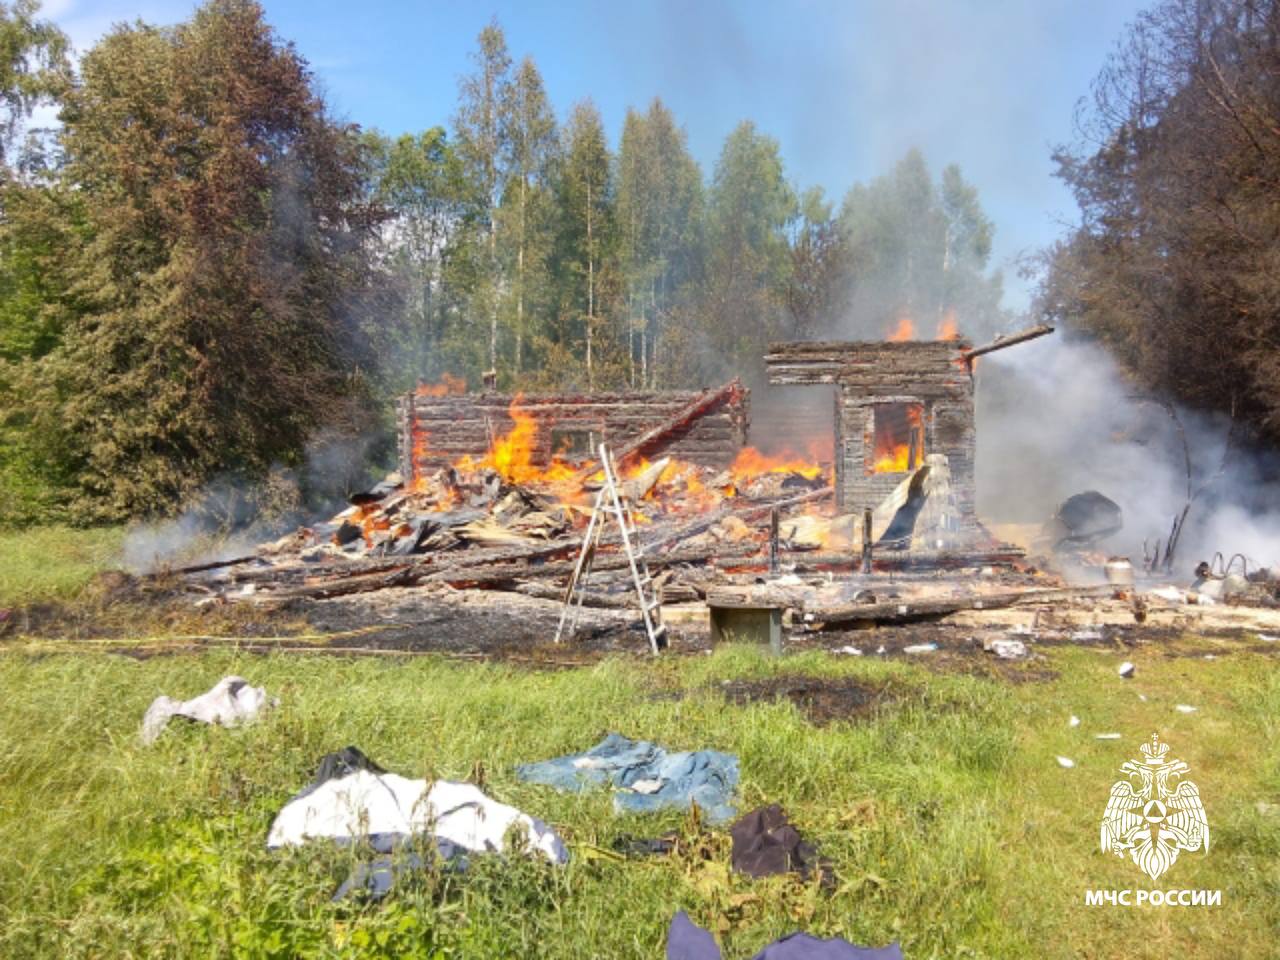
[647, 776]
[353, 799]
[765, 843]
[374, 880]
[358, 801]
[687, 941]
[232, 701]
[646, 847]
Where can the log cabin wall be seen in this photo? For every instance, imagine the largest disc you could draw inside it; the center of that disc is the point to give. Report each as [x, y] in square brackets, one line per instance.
[932, 374]
[437, 431]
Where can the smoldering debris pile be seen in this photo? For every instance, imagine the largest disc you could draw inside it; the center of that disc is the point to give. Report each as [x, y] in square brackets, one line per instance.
[473, 525]
[478, 529]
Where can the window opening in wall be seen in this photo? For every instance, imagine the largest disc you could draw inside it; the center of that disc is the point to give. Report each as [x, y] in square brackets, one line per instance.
[899, 437]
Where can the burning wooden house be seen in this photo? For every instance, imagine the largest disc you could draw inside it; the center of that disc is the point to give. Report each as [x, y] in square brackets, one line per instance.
[439, 428]
[897, 402]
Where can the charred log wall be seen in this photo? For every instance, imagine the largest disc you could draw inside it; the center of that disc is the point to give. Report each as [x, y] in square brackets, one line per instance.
[932, 374]
[437, 431]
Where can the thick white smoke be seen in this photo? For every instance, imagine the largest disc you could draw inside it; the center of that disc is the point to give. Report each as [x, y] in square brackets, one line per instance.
[1057, 417]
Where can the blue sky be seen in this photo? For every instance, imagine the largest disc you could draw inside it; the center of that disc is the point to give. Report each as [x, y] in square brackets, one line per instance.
[846, 87]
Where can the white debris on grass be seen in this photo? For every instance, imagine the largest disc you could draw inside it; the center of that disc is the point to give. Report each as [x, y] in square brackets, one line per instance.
[1074, 721]
[1107, 736]
[1185, 708]
[1006, 649]
[230, 702]
[1126, 670]
[1268, 638]
[848, 651]
[1066, 762]
[365, 804]
[920, 648]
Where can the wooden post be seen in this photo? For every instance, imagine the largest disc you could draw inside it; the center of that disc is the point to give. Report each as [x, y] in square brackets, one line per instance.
[866, 540]
[773, 542]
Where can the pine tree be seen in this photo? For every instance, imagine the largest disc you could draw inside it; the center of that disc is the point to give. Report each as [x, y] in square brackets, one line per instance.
[586, 201]
[212, 288]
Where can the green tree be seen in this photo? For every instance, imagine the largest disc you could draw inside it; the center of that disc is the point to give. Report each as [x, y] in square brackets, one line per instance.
[921, 251]
[481, 127]
[34, 67]
[659, 214]
[526, 218]
[586, 229]
[421, 182]
[817, 288]
[748, 261]
[1177, 179]
[213, 287]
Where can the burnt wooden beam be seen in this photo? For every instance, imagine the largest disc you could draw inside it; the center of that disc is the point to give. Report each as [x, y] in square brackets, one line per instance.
[999, 343]
[647, 440]
[906, 610]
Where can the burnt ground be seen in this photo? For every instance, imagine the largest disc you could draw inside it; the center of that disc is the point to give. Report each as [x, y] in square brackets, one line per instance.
[502, 626]
[822, 700]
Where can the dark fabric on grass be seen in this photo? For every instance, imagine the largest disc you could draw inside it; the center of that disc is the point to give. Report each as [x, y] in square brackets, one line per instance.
[765, 843]
[374, 879]
[335, 766]
[687, 941]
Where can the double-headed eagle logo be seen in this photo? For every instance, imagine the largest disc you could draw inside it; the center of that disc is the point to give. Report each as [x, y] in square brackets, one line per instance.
[1149, 817]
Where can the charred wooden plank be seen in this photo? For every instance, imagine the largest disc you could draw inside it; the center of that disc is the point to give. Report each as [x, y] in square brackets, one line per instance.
[906, 610]
[1022, 336]
[731, 391]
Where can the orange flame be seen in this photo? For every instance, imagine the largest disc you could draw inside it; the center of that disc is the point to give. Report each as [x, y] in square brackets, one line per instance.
[448, 386]
[905, 330]
[751, 463]
[947, 329]
[893, 449]
[512, 454]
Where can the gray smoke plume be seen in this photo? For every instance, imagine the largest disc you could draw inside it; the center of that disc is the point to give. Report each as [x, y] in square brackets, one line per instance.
[1057, 417]
[231, 515]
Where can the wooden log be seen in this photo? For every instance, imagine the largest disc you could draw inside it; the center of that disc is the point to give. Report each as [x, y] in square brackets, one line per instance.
[201, 567]
[905, 610]
[590, 598]
[999, 343]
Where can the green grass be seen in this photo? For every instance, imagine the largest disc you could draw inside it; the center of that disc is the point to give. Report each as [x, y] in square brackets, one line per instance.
[950, 824]
[54, 563]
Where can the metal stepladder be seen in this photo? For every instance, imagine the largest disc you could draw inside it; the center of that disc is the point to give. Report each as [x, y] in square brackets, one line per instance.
[609, 500]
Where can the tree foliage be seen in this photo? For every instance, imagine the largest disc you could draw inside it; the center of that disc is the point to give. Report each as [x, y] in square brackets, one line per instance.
[1178, 182]
[34, 67]
[920, 252]
[211, 291]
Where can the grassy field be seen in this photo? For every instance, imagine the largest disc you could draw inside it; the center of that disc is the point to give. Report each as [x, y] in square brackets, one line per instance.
[949, 822]
[54, 563]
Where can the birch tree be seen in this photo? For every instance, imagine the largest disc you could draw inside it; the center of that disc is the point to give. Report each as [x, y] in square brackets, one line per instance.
[529, 152]
[481, 127]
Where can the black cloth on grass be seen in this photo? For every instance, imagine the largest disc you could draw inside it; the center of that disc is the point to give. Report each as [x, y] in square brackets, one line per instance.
[687, 941]
[765, 843]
